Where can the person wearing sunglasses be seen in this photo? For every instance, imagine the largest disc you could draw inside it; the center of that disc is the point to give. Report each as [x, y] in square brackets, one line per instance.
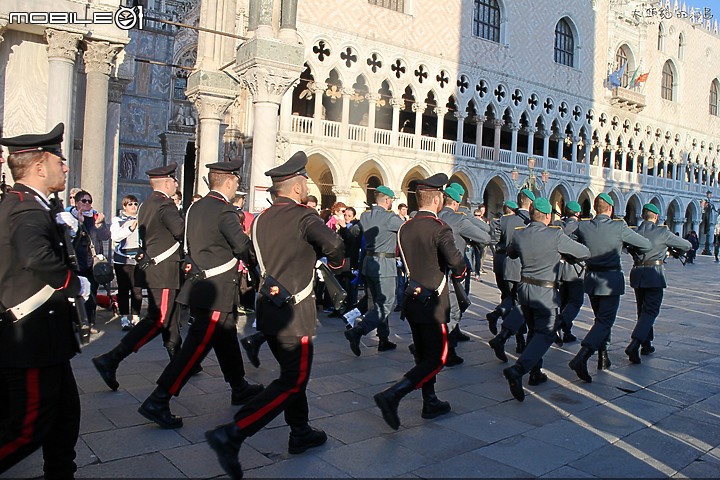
[124, 232]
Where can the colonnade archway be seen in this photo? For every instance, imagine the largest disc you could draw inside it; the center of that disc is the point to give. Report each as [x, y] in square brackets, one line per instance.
[633, 210]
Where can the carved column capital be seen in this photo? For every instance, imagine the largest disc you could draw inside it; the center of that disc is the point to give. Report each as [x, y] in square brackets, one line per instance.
[211, 107]
[419, 107]
[515, 127]
[347, 92]
[460, 116]
[498, 123]
[397, 102]
[441, 111]
[100, 56]
[116, 89]
[267, 84]
[62, 45]
[319, 88]
[373, 97]
[480, 119]
[341, 190]
[531, 130]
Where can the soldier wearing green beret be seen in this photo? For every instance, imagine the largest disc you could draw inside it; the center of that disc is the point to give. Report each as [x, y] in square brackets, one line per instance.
[647, 278]
[571, 280]
[539, 249]
[604, 280]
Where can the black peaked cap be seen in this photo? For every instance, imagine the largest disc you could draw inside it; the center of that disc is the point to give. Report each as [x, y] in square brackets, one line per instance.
[294, 166]
[164, 171]
[35, 141]
[226, 167]
[435, 182]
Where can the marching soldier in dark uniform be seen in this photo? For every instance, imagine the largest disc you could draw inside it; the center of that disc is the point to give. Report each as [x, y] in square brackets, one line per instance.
[286, 313]
[428, 250]
[379, 226]
[604, 280]
[647, 278]
[161, 230]
[464, 230]
[214, 242]
[539, 249]
[38, 393]
[571, 290]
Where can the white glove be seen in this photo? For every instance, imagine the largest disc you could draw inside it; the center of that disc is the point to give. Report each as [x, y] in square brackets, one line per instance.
[84, 287]
[67, 218]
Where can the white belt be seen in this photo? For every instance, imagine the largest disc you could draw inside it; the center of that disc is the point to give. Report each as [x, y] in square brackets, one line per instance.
[304, 293]
[166, 254]
[32, 303]
[212, 272]
[441, 287]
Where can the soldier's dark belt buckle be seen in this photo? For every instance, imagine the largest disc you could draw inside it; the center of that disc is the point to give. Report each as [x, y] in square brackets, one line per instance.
[538, 283]
[275, 292]
[418, 292]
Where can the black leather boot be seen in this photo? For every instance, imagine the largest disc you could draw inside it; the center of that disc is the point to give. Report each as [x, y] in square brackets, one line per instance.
[633, 351]
[108, 363]
[647, 348]
[302, 438]
[458, 334]
[384, 345]
[514, 376]
[226, 441]
[579, 364]
[520, 343]
[354, 335]
[244, 392]
[453, 358]
[252, 344]
[492, 318]
[157, 408]
[498, 344]
[568, 337]
[389, 399]
[432, 406]
[537, 377]
[604, 362]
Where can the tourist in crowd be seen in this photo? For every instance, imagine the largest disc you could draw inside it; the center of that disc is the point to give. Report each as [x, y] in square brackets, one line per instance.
[124, 233]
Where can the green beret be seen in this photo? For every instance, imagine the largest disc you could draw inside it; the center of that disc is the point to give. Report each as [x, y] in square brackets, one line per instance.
[574, 207]
[607, 199]
[453, 193]
[651, 208]
[511, 204]
[528, 194]
[542, 205]
[385, 191]
[458, 187]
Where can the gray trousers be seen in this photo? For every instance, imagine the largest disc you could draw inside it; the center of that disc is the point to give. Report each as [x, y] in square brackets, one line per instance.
[649, 301]
[540, 322]
[455, 313]
[382, 293]
[605, 309]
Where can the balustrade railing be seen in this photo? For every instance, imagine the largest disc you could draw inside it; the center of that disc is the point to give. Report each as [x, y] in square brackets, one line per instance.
[448, 146]
[428, 144]
[357, 133]
[302, 125]
[382, 137]
[331, 129]
[406, 140]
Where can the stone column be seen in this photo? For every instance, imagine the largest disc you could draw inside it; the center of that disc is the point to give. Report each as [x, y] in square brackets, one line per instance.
[575, 141]
[397, 104]
[319, 91]
[288, 20]
[440, 130]
[419, 109]
[460, 116]
[99, 58]
[531, 140]
[588, 154]
[62, 52]
[560, 146]
[345, 117]
[286, 112]
[174, 148]
[372, 99]
[112, 145]
[612, 149]
[655, 164]
[479, 123]
[515, 128]
[211, 111]
[678, 225]
[342, 193]
[546, 145]
[497, 125]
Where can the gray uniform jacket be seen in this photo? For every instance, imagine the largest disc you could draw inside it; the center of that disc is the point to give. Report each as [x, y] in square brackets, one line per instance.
[539, 249]
[379, 226]
[644, 274]
[503, 235]
[605, 238]
[569, 271]
[464, 229]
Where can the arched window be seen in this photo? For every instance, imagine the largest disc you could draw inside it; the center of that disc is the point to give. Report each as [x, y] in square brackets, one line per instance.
[621, 58]
[681, 46]
[564, 43]
[667, 89]
[486, 20]
[661, 38]
[714, 93]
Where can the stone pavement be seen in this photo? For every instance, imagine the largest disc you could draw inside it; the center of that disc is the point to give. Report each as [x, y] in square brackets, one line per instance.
[658, 419]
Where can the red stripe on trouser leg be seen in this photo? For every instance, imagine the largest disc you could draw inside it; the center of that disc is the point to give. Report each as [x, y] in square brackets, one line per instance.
[443, 358]
[197, 353]
[273, 404]
[160, 322]
[31, 413]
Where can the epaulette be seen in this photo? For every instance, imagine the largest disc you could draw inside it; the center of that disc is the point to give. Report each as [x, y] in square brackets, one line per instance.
[661, 226]
[619, 219]
[586, 219]
[554, 226]
[634, 227]
[520, 228]
[508, 214]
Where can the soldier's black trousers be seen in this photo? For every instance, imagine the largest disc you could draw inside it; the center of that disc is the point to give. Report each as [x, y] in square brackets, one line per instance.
[648, 301]
[431, 350]
[540, 323]
[39, 407]
[572, 297]
[286, 393]
[498, 262]
[605, 309]
[161, 318]
[209, 329]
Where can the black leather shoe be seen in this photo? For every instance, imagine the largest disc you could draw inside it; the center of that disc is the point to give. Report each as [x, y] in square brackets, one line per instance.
[243, 394]
[492, 318]
[558, 338]
[458, 334]
[498, 346]
[633, 352]
[353, 336]
[252, 350]
[579, 364]
[520, 343]
[453, 359]
[226, 446]
[433, 407]
[536, 378]
[604, 362]
[514, 378]
[389, 399]
[107, 369]
[569, 337]
[300, 442]
[159, 412]
[386, 345]
[647, 348]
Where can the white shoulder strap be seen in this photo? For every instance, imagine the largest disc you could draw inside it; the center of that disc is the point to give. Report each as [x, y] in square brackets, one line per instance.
[258, 255]
[185, 243]
[402, 254]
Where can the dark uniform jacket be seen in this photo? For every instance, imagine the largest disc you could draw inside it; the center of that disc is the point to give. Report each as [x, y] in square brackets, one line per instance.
[214, 237]
[31, 244]
[644, 275]
[570, 271]
[379, 227]
[160, 227]
[464, 229]
[503, 235]
[429, 249]
[539, 249]
[605, 238]
[290, 238]
[352, 245]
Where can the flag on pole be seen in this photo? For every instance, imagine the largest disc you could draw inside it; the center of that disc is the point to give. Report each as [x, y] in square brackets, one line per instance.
[614, 78]
[634, 76]
[642, 78]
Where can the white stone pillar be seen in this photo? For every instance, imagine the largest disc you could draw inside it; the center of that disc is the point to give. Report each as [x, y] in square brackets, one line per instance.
[588, 153]
[531, 140]
[62, 53]
[546, 145]
[515, 128]
[372, 99]
[99, 58]
[318, 117]
[497, 125]
[345, 117]
[479, 123]
[397, 104]
[560, 147]
[286, 112]
[211, 111]
[459, 138]
[112, 144]
[342, 193]
[419, 109]
[575, 141]
[440, 130]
